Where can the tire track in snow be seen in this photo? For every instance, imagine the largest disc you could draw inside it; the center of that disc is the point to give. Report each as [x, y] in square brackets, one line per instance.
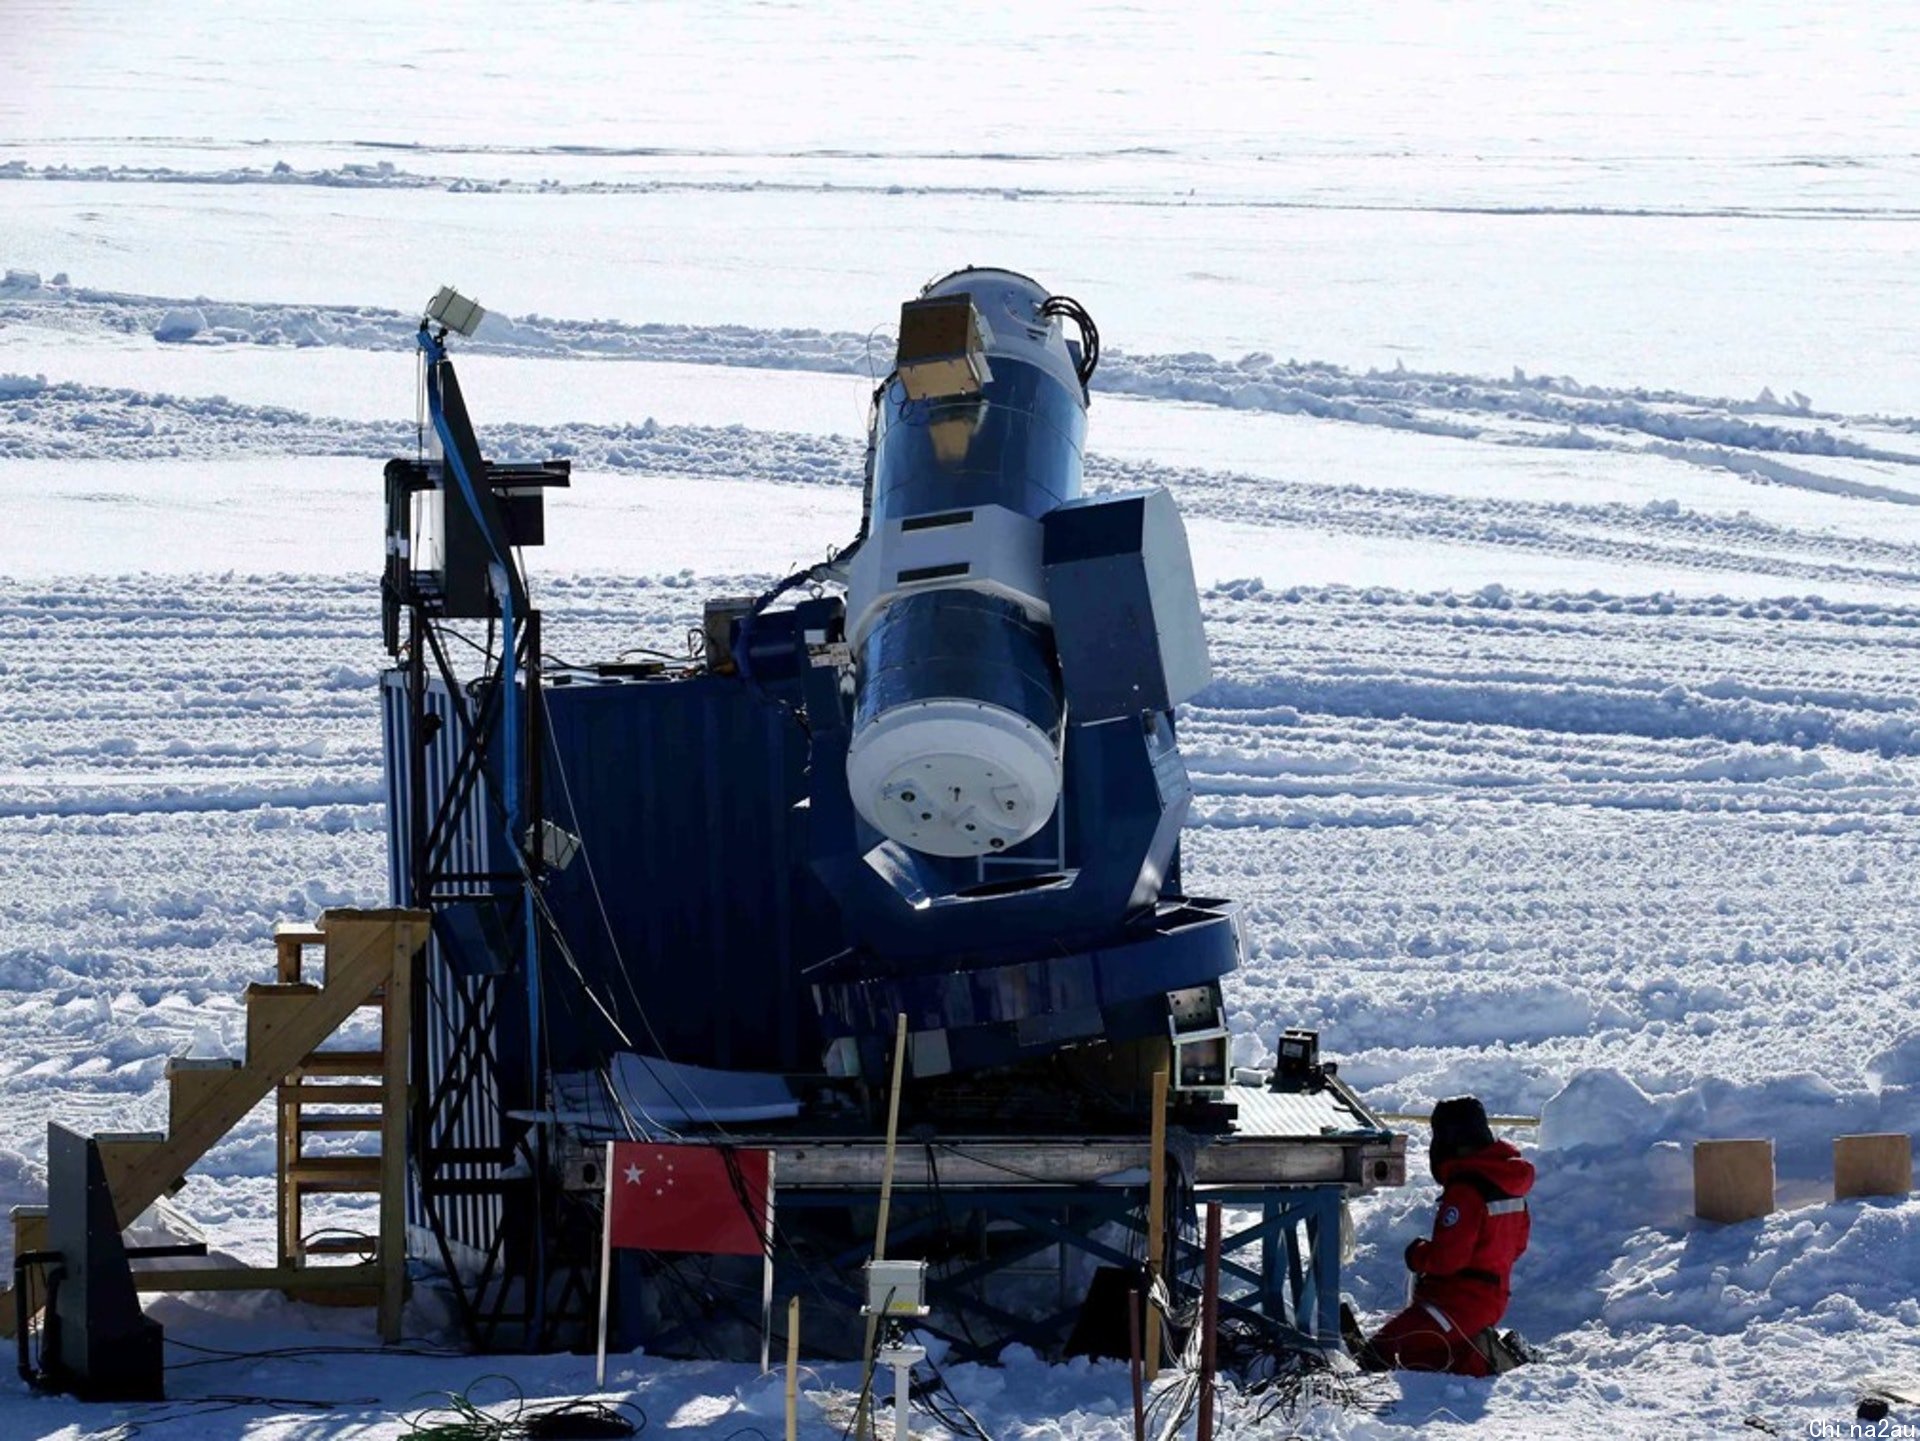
[68, 421]
[385, 175]
[1343, 707]
[1521, 410]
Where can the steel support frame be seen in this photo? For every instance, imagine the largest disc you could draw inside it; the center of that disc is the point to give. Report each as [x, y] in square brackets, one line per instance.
[1296, 1281]
[1292, 1280]
[429, 879]
[432, 880]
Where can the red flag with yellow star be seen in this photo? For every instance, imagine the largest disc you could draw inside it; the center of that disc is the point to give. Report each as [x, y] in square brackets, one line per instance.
[712, 1200]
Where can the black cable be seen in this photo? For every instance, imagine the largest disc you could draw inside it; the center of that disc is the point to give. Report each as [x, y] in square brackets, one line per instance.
[737, 1182]
[649, 650]
[994, 1165]
[1271, 1373]
[773, 1239]
[366, 1243]
[1069, 308]
[218, 1355]
[861, 1401]
[204, 1406]
[946, 1232]
[1171, 1407]
[957, 1418]
[605, 1072]
[626, 975]
[667, 1087]
[470, 643]
[696, 1302]
[461, 1418]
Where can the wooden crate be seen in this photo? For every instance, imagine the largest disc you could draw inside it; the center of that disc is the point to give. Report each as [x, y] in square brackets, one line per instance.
[1874, 1165]
[1732, 1180]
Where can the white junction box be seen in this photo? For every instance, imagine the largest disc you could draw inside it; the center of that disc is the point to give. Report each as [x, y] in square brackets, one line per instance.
[896, 1288]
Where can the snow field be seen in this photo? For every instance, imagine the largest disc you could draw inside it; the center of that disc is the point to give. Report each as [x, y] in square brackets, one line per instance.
[1488, 839]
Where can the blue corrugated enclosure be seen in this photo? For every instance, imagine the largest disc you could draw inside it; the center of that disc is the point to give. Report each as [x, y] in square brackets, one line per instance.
[691, 888]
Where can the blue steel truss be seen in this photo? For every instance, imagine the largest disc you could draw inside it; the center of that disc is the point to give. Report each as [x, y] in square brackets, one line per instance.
[1280, 1261]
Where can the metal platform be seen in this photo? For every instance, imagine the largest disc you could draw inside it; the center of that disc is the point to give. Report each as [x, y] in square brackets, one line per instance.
[1284, 1138]
[1277, 1140]
[1324, 1136]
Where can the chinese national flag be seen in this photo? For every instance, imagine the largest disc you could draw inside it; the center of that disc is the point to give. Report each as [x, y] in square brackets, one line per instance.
[704, 1199]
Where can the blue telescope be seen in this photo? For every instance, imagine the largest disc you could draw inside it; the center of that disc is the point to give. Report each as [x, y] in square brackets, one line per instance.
[997, 809]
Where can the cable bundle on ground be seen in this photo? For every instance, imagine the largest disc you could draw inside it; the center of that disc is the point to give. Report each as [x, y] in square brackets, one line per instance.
[460, 1418]
[1268, 1376]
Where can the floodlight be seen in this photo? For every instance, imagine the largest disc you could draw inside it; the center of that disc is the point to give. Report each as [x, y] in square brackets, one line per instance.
[453, 310]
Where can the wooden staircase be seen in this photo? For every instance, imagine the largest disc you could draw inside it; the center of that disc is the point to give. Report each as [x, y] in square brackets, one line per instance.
[367, 960]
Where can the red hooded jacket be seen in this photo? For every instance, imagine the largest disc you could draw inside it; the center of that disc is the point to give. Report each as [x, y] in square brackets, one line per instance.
[1478, 1233]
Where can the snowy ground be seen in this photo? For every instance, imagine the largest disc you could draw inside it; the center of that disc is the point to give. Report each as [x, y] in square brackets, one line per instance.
[1565, 735]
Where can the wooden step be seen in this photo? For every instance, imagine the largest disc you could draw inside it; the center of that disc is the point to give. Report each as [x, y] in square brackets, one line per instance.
[356, 1121]
[285, 1022]
[29, 1229]
[29, 1234]
[366, 1277]
[274, 1012]
[329, 971]
[368, 961]
[289, 938]
[342, 1063]
[335, 1173]
[306, 1093]
[194, 1083]
[341, 1246]
[350, 935]
[124, 1152]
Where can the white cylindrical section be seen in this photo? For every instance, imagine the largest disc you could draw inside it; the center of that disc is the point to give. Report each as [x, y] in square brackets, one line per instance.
[954, 777]
[984, 548]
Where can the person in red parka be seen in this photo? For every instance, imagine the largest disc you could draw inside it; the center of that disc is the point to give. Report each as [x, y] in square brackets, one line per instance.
[1462, 1274]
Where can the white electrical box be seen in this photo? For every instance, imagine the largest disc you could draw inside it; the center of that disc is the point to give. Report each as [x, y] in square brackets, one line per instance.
[896, 1288]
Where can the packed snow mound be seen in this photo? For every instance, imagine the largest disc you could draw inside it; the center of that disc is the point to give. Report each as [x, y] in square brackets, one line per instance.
[181, 323]
[1598, 1107]
[1602, 1109]
[22, 1182]
[1824, 1268]
[1898, 1065]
